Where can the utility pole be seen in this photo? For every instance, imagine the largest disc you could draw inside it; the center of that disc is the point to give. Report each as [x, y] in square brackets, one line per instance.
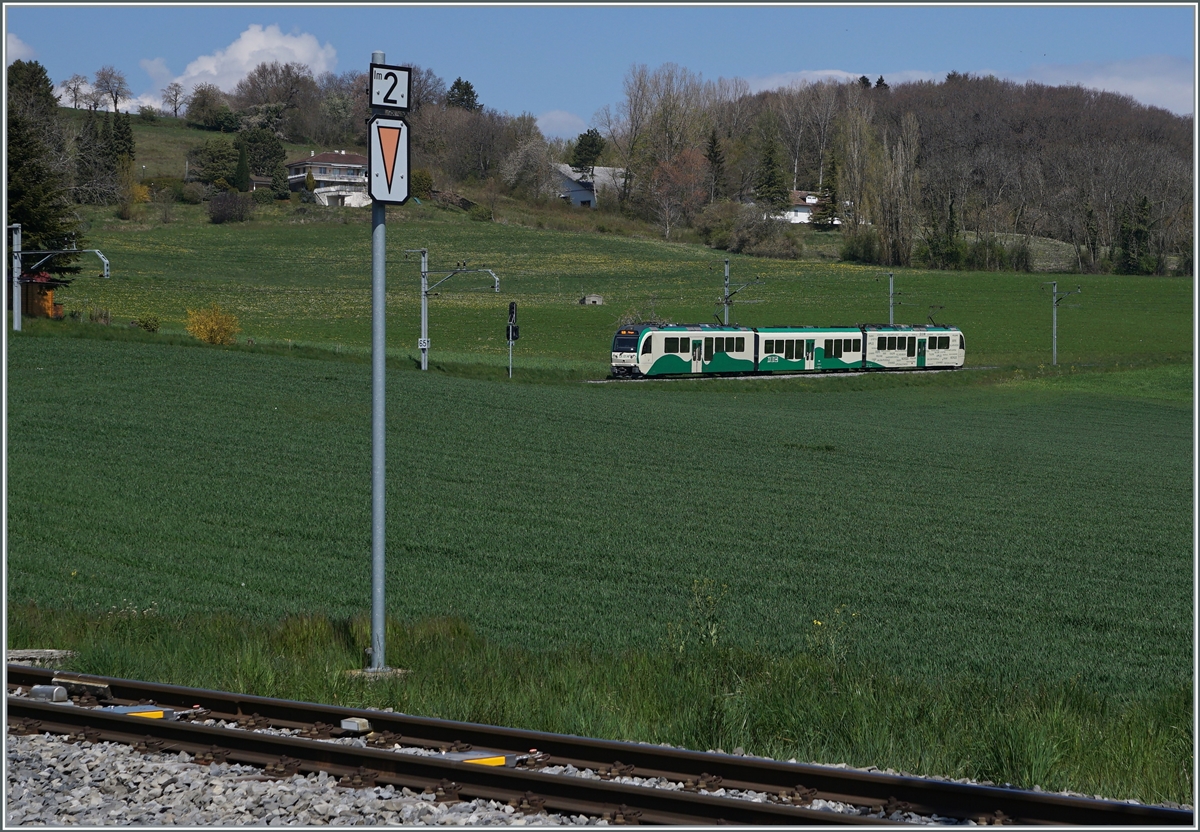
[1056, 297]
[16, 275]
[728, 299]
[423, 341]
[892, 295]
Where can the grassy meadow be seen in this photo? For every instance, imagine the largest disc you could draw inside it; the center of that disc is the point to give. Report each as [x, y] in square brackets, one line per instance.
[985, 573]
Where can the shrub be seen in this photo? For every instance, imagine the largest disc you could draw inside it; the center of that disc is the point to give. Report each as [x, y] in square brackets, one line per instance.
[147, 322]
[99, 316]
[193, 193]
[230, 207]
[263, 196]
[147, 114]
[759, 235]
[715, 224]
[213, 325]
[420, 183]
[480, 213]
[862, 247]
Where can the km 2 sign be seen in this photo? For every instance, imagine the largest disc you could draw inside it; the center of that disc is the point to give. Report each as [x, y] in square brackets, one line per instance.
[390, 87]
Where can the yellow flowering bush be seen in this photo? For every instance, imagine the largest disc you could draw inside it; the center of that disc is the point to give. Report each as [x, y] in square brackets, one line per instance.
[213, 325]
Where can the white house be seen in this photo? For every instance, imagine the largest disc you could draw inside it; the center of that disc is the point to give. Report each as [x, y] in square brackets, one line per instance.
[804, 204]
[581, 190]
[341, 177]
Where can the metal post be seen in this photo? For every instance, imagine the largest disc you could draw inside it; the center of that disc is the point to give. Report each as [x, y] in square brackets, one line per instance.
[891, 298]
[1054, 323]
[16, 272]
[726, 292]
[424, 342]
[378, 365]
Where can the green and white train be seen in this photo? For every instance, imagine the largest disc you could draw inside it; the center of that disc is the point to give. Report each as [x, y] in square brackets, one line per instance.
[646, 350]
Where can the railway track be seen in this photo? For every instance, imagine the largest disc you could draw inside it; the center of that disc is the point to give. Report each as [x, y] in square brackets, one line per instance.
[512, 765]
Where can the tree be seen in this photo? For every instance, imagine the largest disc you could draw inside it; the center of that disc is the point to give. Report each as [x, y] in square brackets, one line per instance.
[173, 98]
[76, 86]
[880, 84]
[825, 217]
[864, 82]
[111, 83]
[264, 150]
[676, 189]
[715, 157]
[462, 95]
[123, 146]
[205, 105]
[241, 174]
[215, 159]
[588, 148]
[531, 167]
[770, 186]
[38, 166]
[280, 188]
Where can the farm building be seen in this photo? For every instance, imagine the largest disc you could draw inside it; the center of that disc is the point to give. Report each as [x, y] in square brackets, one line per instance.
[37, 295]
[581, 189]
[591, 300]
[341, 177]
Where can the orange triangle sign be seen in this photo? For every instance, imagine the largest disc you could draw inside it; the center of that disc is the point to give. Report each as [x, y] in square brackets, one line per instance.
[389, 143]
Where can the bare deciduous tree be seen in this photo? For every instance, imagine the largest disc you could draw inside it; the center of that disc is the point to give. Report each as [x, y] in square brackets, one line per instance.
[77, 87]
[173, 98]
[111, 83]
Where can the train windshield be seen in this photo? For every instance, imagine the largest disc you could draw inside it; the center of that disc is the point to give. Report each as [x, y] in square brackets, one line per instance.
[625, 343]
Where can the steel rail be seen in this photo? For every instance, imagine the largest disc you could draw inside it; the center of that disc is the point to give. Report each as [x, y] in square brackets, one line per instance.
[554, 793]
[860, 788]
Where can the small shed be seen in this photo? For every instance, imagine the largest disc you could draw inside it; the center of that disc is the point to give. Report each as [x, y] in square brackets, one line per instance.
[591, 300]
[37, 295]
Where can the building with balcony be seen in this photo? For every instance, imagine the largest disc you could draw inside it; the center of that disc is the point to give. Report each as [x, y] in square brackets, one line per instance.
[341, 177]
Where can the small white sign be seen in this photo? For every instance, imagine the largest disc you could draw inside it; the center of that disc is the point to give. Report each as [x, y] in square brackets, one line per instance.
[422, 343]
[390, 86]
[387, 166]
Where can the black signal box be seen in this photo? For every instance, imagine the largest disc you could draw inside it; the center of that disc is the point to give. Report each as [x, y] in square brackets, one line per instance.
[514, 332]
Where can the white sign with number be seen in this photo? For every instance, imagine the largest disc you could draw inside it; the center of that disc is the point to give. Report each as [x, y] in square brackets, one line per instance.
[390, 87]
[387, 166]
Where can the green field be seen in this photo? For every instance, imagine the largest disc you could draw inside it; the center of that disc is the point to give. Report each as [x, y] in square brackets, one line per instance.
[1013, 542]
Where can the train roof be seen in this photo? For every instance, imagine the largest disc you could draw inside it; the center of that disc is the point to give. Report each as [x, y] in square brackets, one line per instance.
[664, 327]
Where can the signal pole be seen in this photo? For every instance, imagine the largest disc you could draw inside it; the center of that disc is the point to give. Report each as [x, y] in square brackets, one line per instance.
[1056, 297]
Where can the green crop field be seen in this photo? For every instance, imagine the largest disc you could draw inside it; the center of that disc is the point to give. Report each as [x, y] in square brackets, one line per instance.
[1012, 541]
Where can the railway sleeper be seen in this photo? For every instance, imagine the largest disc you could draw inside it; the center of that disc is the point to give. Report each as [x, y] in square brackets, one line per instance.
[253, 722]
[707, 782]
[213, 754]
[445, 791]
[623, 816]
[617, 769]
[799, 796]
[282, 768]
[361, 778]
[529, 804]
[85, 734]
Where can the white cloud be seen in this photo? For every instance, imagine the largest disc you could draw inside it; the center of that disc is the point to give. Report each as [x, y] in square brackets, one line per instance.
[561, 124]
[786, 79]
[1162, 81]
[16, 49]
[256, 45]
[157, 69]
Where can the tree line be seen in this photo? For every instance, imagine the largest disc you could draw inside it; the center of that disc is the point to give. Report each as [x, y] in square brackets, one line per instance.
[960, 173]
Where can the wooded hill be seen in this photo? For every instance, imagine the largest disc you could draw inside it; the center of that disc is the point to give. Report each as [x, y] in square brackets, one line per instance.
[961, 173]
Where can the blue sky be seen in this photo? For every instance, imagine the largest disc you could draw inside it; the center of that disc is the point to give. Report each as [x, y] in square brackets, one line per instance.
[564, 62]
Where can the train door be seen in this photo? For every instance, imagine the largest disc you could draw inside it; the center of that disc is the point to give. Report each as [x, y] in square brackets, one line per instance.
[920, 352]
[809, 351]
[697, 355]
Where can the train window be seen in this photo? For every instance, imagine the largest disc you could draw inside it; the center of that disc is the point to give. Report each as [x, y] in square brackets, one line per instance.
[891, 342]
[671, 345]
[789, 350]
[837, 347]
[857, 346]
[647, 345]
[962, 343]
[912, 347]
[708, 349]
[847, 345]
[881, 344]
[768, 347]
[944, 342]
[741, 344]
[719, 346]
[828, 348]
